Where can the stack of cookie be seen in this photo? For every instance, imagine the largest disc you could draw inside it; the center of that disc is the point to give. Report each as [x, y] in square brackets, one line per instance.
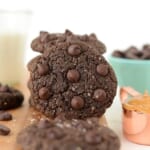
[70, 78]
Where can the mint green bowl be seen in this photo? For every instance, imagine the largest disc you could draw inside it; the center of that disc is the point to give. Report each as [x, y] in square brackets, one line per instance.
[134, 73]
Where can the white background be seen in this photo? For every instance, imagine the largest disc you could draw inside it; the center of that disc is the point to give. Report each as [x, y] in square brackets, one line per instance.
[118, 23]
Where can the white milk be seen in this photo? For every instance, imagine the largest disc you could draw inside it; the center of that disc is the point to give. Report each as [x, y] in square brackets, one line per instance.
[12, 52]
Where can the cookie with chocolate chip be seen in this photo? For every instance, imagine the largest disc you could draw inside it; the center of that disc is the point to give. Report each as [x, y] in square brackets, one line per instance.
[70, 76]
[9, 97]
[68, 135]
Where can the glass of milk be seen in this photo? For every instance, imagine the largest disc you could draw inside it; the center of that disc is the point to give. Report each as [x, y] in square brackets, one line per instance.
[14, 27]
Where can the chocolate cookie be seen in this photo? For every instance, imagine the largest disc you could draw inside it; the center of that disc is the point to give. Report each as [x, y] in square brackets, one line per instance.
[10, 97]
[71, 77]
[68, 135]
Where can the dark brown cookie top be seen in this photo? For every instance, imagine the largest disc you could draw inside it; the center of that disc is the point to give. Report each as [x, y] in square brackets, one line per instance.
[47, 41]
[68, 135]
[10, 97]
[72, 79]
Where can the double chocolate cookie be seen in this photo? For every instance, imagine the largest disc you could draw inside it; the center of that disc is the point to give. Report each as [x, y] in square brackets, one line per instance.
[9, 97]
[68, 135]
[70, 76]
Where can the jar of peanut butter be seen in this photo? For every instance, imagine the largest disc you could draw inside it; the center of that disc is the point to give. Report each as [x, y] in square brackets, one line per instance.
[136, 115]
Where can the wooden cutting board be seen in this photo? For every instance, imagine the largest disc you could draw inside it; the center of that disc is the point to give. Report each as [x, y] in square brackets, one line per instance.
[23, 117]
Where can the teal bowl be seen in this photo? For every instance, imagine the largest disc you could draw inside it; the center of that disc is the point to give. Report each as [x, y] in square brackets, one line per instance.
[134, 73]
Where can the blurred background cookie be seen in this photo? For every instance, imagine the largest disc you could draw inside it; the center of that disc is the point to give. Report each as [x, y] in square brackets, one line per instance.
[68, 135]
[10, 98]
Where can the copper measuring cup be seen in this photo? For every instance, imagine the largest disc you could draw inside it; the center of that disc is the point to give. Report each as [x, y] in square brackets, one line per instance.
[136, 125]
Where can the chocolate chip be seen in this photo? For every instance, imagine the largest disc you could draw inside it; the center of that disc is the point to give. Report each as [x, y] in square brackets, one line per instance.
[73, 75]
[42, 69]
[102, 69]
[131, 49]
[99, 95]
[131, 55]
[92, 137]
[5, 116]
[4, 88]
[44, 93]
[146, 55]
[74, 50]
[4, 130]
[77, 102]
[146, 47]
[118, 53]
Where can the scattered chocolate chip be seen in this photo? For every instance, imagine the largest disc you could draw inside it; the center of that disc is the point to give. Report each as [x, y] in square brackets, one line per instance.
[4, 130]
[134, 53]
[102, 69]
[99, 95]
[5, 116]
[77, 102]
[118, 53]
[146, 55]
[93, 137]
[146, 47]
[73, 75]
[74, 50]
[4, 88]
[42, 69]
[44, 93]
[132, 49]
[131, 55]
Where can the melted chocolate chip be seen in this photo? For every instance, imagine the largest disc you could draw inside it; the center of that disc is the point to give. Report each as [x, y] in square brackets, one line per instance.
[4, 130]
[74, 50]
[44, 93]
[99, 95]
[73, 75]
[102, 69]
[5, 116]
[77, 102]
[42, 69]
[92, 137]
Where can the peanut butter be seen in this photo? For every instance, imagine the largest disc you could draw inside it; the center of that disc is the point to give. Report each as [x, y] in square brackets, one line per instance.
[139, 104]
